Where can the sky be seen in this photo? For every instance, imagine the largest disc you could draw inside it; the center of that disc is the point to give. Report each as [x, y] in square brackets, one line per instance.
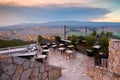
[39, 11]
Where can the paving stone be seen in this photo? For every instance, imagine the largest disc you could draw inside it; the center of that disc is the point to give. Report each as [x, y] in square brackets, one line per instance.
[70, 67]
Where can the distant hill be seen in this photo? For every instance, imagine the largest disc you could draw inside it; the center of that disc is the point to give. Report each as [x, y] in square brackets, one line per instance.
[81, 24]
[91, 25]
[20, 26]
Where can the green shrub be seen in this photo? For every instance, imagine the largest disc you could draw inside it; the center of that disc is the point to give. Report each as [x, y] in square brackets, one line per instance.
[73, 39]
[90, 40]
[94, 33]
[40, 39]
[57, 38]
[10, 43]
[81, 37]
[104, 43]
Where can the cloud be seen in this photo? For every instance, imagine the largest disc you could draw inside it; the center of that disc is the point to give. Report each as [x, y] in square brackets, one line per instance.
[53, 13]
[109, 17]
[43, 2]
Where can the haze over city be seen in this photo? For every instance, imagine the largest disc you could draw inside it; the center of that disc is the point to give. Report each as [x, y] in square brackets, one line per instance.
[37, 11]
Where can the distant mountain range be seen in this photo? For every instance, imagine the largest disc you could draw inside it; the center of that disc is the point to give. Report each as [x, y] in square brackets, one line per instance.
[77, 24]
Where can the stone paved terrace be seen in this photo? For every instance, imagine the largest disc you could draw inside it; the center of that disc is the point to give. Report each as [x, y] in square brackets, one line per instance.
[72, 69]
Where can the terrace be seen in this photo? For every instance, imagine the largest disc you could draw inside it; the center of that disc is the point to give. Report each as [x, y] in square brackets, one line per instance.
[63, 53]
[73, 66]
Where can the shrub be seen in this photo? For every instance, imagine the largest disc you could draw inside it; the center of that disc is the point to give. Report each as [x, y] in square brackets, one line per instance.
[10, 43]
[103, 42]
[90, 40]
[40, 39]
[57, 38]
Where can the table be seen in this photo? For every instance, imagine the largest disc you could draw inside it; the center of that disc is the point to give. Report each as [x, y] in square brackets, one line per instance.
[45, 50]
[48, 44]
[61, 44]
[43, 57]
[61, 49]
[54, 46]
[97, 46]
[70, 46]
[68, 53]
[44, 46]
[53, 43]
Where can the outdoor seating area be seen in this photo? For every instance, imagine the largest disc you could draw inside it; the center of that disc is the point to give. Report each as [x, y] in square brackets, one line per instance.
[56, 52]
[58, 48]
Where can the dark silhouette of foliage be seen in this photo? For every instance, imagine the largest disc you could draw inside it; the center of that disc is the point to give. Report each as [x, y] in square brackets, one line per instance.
[57, 38]
[11, 43]
[94, 33]
[40, 39]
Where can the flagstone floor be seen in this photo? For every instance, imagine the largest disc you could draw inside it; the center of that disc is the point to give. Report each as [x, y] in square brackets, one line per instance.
[72, 69]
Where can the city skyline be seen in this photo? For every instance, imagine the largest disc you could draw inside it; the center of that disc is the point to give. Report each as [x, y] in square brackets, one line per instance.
[30, 11]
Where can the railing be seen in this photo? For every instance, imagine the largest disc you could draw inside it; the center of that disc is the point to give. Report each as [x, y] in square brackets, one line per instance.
[101, 61]
[15, 47]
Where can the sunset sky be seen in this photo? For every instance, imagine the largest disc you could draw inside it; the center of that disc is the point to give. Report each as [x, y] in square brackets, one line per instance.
[38, 11]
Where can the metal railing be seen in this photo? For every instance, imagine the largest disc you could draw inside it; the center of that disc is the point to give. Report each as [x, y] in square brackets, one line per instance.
[15, 47]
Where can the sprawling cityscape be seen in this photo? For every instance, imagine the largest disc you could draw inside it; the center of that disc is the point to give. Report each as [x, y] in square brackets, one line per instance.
[59, 40]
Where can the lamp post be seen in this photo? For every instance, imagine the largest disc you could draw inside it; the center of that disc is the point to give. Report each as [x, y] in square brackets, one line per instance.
[64, 32]
[85, 30]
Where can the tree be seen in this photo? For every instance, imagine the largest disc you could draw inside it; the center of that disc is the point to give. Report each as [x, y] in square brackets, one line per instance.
[73, 40]
[57, 38]
[90, 40]
[102, 34]
[94, 33]
[40, 39]
[81, 37]
[109, 34]
[104, 43]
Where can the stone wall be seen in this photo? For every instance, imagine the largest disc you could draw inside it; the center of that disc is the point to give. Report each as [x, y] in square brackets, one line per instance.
[15, 68]
[114, 56]
[101, 74]
[113, 70]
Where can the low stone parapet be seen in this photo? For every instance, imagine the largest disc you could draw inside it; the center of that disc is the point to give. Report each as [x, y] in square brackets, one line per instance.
[15, 68]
